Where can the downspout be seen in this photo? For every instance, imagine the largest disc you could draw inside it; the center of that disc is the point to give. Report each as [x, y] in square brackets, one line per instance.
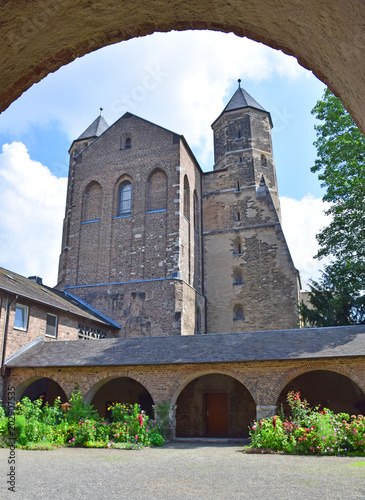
[4, 372]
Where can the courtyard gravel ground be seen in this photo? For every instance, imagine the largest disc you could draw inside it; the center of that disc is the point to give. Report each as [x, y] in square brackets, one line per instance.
[181, 471]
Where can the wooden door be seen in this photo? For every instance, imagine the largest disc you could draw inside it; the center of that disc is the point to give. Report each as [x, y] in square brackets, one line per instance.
[216, 406]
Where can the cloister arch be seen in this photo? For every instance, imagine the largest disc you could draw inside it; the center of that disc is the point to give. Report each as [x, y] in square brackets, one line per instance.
[38, 38]
[326, 388]
[46, 387]
[122, 389]
[214, 404]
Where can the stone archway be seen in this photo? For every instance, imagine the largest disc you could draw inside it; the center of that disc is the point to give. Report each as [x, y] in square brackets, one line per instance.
[121, 390]
[214, 405]
[328, 389]
[36, 387]
[326, 37]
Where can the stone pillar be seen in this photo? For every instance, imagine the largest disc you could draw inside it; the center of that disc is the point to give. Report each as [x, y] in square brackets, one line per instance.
[265, 411]
[166, 412]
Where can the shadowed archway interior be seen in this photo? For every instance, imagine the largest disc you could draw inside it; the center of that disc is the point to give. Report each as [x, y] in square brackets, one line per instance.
[46, 388]
[214, 405]
[122, 390]
[326, 389]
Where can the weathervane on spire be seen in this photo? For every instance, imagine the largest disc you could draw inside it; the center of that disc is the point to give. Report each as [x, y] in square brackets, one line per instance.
[239, 83]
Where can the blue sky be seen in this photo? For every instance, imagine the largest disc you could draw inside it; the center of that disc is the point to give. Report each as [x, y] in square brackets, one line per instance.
[179, 80]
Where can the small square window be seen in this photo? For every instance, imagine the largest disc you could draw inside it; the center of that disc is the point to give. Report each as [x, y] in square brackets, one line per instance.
[51, 326]
[21, 317]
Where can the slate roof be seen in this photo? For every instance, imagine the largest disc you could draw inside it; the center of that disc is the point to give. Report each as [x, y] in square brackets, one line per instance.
[211, 348]
[97, 127]
[16, 284]
[241, 99]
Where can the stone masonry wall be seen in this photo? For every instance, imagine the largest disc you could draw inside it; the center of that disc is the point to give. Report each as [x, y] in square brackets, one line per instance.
[264, 380]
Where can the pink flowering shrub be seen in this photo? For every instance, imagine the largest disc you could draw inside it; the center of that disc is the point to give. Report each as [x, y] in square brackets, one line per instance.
[310, 430]
[130, 423]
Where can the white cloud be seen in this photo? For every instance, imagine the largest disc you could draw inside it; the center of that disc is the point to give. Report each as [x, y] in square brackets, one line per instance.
[302, 220]
[198, 69]
[32, 204]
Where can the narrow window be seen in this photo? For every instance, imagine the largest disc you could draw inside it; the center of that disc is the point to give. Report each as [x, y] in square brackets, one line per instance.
[128, 143]
[196, 212]
[237, 215]
[237, 277]
[186, 198]
[237, 246]
[263, 161]
[21, 317]
[238, 185]
[125, 198]
[238, 132]
[198, 321]
[51, 326]
[238, 313]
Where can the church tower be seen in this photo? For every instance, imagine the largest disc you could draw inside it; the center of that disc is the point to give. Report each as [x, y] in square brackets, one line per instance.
[249, 277]
[132, 245]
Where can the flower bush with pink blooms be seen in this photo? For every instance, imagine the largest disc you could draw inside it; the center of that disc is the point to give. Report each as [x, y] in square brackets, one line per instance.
[310, 430]
[130, 423]
[38, 423]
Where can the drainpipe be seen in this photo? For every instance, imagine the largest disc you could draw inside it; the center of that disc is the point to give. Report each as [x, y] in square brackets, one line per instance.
[5, 338]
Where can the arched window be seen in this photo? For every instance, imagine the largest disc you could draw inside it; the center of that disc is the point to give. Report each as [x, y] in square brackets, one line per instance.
[263, 161]
[126, 141]
[157, 191]
[238, 276]
[238, 313]
[196, 211]
[237, 246]
[91, 203]
[238, 132]
[186, 198]
[237, 215]
[125, 198]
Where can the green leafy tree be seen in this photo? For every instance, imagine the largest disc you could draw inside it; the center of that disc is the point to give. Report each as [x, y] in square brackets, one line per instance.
[338, 298]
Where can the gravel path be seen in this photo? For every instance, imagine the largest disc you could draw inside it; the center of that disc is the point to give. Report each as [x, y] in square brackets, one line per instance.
[181, 471]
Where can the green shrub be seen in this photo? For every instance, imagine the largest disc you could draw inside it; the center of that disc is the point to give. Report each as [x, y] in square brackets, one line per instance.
[156, 439]
[80, 410]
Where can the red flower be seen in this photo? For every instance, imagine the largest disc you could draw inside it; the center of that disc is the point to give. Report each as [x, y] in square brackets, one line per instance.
[140, 417]
[274, 422]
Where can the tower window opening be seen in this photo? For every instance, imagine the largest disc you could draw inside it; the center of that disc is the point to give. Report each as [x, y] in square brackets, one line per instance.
[238, 277]
[238, 313]
[237, 246]
[237, 215]
[128, 143]
[263, 161]
[238, 132]
[238, 185]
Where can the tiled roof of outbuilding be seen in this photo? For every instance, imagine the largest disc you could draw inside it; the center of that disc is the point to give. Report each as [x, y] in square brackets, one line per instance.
[16, 284]
[212, 348]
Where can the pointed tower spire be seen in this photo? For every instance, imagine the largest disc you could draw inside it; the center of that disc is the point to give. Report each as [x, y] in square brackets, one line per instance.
[97, 127]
